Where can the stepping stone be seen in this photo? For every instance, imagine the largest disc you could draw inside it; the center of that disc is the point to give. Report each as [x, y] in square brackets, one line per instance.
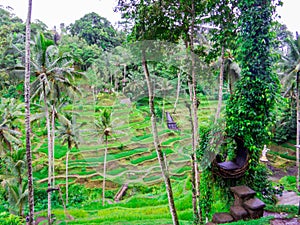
[222, 218]
[241, 194]
[243, 191]
[254, 204]
[288, 198]
[238, 212]
[255, 208]
[210, 223]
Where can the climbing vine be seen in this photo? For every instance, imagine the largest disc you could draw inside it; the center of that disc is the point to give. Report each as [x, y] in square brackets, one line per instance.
[250, 110]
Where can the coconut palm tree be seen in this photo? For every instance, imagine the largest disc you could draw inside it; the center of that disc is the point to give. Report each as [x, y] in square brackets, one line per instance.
[55, 77]
[68, 132]
[27, 114]
[10, 112]
[14, 180]
[103, 130]
[291, 62]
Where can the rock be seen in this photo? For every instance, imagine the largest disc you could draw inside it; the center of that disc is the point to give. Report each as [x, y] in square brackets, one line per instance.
[255, 208]
[222, 218]
[238, 212]
[254, 204]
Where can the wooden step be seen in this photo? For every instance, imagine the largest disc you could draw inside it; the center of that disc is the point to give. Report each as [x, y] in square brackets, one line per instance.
[222, 218]
[238, 212]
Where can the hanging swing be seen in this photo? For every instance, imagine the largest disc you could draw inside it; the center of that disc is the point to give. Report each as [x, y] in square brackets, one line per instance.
[170, 122]
[235, 168]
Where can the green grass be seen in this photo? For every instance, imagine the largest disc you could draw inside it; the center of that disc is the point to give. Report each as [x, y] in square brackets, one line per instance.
[152, 178]
[112, 157]
[260, 221]
[283, 155]
[171, 140]
[152, 156]
[182, 169]
[116, 171]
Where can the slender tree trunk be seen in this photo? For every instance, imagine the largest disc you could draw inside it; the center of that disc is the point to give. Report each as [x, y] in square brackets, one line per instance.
[53, 144]
[159, 152]
[194, 107]
[163, 109]
[49, 151]
[20, 193]
[194, 191]
[67, 177]
[298, 130]
[104, 172]
[221, 77]
[27, 116]
[177, 91]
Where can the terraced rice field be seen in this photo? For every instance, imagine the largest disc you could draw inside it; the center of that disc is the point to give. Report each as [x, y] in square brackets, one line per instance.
[131, 155]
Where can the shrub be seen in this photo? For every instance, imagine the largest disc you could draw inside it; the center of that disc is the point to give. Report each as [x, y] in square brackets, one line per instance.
[10, 219]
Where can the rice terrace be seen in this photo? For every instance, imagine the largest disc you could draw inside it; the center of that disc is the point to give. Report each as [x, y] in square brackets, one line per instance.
[185, 112]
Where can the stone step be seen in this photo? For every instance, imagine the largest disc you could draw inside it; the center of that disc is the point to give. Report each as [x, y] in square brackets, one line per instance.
[238, 212]
[243, 191]
[222, 218]
[241, 194]
[254, 204]
[255, 208]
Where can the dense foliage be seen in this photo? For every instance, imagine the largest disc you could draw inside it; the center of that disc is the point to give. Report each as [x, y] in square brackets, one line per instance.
[238, 31]
[96, 30]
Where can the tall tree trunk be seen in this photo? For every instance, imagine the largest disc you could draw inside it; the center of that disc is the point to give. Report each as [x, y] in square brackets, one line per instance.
[49, 151]
[156, 141]
[194, 107]
[221, 78]
[27, 115]
[104, 172]
[177, 91]
[298, 129]
[67, 177]
[53, 143]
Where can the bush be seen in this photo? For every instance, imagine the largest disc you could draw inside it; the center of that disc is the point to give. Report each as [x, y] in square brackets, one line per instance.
[10, 219]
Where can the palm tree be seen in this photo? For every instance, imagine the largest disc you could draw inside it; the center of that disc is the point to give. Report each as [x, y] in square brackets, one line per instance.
[103, 129]
[10, 111]
[291, 62]
[68, 132]
[14, 182]
[55, 77]
[27, 114]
